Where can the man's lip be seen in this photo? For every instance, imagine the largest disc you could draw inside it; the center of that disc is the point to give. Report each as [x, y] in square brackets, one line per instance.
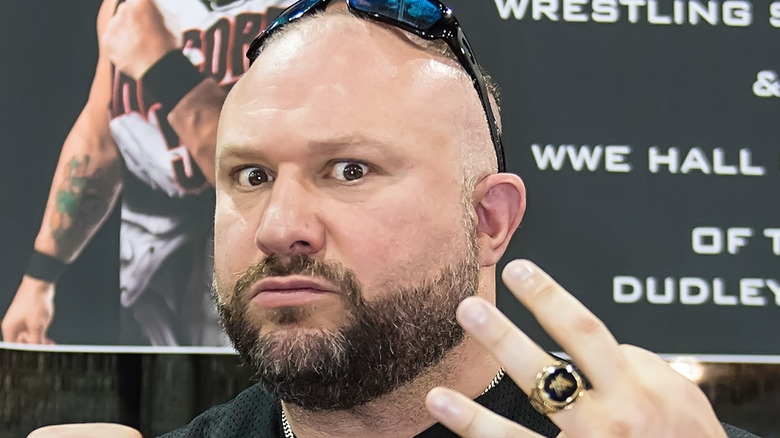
[294, 283]
[292, 291]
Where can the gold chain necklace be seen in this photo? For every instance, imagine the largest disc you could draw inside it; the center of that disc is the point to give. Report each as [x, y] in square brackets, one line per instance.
[497, 378]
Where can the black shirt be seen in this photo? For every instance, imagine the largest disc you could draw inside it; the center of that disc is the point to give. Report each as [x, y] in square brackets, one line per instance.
[254, 413]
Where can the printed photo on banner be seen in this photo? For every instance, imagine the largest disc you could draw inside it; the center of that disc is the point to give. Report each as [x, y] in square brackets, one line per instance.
[650, 158]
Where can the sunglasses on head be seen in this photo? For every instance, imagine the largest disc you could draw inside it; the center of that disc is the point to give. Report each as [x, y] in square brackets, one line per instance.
[428, 19]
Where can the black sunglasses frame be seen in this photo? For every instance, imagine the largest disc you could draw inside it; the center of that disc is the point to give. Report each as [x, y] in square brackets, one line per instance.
[446, 28]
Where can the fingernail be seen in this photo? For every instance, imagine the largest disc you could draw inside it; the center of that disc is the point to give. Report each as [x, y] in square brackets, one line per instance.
[474, 312]
[519, 271]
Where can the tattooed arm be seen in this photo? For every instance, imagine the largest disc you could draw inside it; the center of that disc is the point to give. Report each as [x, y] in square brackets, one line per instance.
[84, 189]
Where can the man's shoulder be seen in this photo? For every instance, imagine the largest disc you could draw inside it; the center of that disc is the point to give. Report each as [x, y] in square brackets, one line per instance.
[252, 413]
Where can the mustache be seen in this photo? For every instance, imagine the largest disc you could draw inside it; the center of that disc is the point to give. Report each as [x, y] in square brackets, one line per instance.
[301, 264]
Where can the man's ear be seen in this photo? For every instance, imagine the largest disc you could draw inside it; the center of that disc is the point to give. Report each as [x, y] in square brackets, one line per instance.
[500, 205]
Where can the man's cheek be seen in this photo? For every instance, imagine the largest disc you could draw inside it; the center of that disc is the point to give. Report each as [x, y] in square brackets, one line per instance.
[234, 243]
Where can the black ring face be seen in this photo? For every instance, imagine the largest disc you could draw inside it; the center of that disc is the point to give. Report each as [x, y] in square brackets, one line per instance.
[557, 387]
[560, 384]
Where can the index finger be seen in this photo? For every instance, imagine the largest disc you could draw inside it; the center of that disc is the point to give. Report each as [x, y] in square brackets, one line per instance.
[575, 328]
[468, 419]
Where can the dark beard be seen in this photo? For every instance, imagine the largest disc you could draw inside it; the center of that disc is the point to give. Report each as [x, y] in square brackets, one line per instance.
[383, 345]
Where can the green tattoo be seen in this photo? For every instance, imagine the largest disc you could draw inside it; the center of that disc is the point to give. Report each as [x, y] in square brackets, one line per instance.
[68, 198]
[79, 204]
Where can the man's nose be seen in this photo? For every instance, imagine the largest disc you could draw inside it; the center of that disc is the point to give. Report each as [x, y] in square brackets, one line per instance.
[290, 223]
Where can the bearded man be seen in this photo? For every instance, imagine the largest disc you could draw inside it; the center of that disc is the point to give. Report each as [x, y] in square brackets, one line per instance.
[362, 207]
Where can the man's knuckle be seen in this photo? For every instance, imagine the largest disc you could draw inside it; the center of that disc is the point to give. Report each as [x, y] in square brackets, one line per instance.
[619, 428]
[630, 419]
[502, 338]
[543, 293]
[472, 425]
[588, 325]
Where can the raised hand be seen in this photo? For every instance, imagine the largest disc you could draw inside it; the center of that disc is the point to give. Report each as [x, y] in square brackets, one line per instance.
[136, 37]
[634, 392]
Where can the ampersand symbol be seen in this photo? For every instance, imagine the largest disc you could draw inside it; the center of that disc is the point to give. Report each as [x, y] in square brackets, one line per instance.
[766, 84]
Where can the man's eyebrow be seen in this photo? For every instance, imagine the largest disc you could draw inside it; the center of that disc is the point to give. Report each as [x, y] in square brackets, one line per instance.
[334, 144]
[351, 142]
[239, 151]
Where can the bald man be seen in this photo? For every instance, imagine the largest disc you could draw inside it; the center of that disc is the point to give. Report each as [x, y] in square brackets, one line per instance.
[362, 207]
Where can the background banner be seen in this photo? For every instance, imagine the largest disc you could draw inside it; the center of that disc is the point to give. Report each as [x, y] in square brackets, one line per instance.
[645, 131]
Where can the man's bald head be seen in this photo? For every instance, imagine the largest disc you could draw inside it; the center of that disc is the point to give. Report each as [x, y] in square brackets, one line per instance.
[435, 67]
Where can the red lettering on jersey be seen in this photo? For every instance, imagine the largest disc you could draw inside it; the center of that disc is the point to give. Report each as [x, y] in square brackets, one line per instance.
[193, 43]
[127, 95]
[248, 26]
[219, 51]
[188, 175]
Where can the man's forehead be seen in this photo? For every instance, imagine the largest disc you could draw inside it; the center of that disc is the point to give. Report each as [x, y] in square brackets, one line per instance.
[342, 54]
[361, 71]
[339, 40]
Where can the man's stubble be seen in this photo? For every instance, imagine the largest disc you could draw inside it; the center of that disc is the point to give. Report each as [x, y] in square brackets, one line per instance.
[383, 343]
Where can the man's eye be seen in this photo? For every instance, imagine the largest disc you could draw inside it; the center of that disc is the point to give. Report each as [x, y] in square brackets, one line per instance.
[349, 170]
[253, 176]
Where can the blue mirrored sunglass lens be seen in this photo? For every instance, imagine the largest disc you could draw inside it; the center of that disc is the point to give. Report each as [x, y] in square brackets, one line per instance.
[419, 14]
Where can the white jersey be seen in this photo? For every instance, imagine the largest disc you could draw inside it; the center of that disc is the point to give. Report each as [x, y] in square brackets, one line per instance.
[167, 201]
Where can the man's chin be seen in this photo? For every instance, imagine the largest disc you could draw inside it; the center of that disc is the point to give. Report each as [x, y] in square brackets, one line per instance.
[297, 322]
[293, 333]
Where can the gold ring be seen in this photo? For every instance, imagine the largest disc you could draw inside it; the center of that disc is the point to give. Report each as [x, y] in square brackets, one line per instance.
[557, 387]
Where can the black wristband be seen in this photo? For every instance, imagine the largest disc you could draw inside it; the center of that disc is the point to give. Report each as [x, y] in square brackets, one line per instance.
[45, 267]
[170, 78]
